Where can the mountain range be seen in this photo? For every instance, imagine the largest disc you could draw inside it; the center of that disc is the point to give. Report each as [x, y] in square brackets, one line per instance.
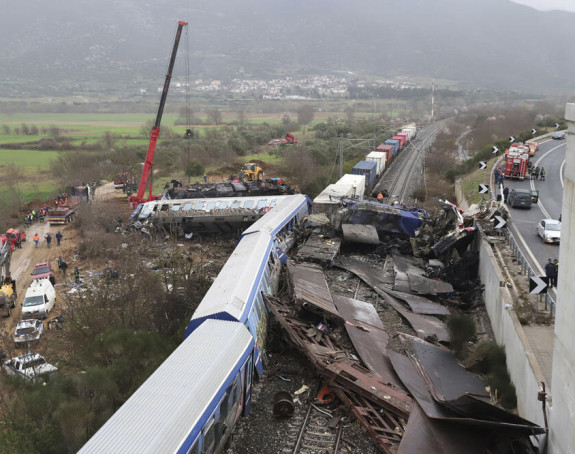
[72, 45]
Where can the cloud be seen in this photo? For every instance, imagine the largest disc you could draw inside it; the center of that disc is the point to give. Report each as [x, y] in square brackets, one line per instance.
[548, 5]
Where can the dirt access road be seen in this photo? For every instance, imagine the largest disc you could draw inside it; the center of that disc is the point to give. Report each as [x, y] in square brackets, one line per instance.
[23, 260]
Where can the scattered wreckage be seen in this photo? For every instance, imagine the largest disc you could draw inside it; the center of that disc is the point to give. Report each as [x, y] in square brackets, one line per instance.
[404, 386]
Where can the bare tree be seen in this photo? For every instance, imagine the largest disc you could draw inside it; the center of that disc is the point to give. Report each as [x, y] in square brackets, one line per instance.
[305, 114]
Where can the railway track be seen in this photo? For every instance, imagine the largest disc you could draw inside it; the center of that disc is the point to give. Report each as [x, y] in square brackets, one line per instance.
[404, 174]
[310, 434]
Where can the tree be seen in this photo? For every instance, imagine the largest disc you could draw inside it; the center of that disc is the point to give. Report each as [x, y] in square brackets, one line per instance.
[349, 112]
[195, 168]
[305, 114]
[215, 116]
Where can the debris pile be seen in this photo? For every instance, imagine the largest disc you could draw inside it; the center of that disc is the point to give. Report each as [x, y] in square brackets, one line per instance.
[397, 379]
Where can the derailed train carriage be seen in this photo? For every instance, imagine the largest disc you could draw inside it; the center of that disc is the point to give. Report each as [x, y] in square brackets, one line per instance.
[192, 401]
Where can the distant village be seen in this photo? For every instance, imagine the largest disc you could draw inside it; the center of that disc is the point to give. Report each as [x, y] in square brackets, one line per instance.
[309, 87]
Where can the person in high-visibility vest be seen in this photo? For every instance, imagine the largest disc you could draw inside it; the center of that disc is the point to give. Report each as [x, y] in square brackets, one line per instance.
[76, 274]
[380, 197]
[36, 238]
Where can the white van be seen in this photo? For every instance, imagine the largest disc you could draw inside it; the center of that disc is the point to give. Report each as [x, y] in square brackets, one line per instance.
[39, 300]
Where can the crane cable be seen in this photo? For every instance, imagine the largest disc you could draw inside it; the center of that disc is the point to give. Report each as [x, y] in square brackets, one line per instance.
[188, 135]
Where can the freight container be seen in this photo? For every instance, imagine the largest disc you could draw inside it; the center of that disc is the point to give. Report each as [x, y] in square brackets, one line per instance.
[388, 150]
[328, 201]
[368, 169]
[405, 136]
[394, 144]
[401, 139]
[357, 181]
[410, 129]
[379, 158]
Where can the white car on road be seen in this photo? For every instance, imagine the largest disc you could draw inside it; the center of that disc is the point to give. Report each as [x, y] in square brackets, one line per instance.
[549, 230]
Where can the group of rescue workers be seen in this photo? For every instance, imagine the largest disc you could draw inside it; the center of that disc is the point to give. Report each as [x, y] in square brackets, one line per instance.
[536, 172]
[31, 216]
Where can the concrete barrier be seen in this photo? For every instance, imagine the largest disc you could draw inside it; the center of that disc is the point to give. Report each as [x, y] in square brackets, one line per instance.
[521, 363]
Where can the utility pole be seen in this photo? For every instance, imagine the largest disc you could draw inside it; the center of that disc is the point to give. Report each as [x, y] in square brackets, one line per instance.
[432, 99]
[340, 156]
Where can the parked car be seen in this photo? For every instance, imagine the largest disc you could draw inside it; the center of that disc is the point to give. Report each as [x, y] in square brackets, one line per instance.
[43, 270]
[14, 235]
[519, 198]
[39, 299]
[549, 230]
[559, 135]
[29, 330]
[30, 366]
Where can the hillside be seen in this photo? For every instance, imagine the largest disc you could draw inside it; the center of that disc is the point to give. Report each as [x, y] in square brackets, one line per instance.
[82, 46]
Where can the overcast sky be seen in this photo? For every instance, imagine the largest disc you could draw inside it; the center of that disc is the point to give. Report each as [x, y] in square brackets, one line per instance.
[546, 5]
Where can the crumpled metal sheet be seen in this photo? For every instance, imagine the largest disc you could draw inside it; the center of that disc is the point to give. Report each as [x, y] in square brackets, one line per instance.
[319, 249]
[426, 326]
[410, 277]
[365, 234]
[424, 434]
[368, 335]
[310, 287]
[465, 408]
[370, 273]
[419, 304]
[448, 379]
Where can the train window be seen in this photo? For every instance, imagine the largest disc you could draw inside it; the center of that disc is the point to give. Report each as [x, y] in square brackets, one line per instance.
[199, 206]
[209, 437]
[175, 207]
[236, 204]
[187, 206]
[249, 204]
[222, 205]
[273, 203]
[262, 203]
[195, 449]
[272, 259]
[211, 206]
[165, 207]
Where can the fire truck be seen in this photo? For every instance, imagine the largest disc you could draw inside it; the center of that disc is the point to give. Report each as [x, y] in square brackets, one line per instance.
[516, 164]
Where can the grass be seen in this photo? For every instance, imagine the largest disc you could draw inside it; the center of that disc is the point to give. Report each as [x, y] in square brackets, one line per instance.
[27, 159]
[471, 182]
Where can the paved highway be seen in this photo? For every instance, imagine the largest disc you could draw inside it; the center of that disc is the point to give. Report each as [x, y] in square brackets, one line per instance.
[551, 155]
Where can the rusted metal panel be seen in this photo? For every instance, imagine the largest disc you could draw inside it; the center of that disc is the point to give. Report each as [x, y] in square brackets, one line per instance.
[335, 364]
[365, 234]
[310, 287]
[354, 377]
[384, 427]
[368, 335]
[419, 304]
[319, 249]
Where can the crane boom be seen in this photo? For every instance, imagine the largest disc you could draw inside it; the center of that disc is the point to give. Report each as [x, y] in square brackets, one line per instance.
[139, 197]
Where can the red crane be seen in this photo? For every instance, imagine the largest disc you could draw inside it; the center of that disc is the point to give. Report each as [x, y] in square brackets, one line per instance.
[135, 200]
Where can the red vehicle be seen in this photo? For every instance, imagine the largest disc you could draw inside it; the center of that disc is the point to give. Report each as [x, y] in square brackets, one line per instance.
[516, 165]
[135, 200]
[43, 270]
[13, 235]
[290, 138]
[4, 239]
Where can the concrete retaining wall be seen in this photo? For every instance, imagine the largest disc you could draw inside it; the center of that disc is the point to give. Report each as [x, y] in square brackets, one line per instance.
[521, 364]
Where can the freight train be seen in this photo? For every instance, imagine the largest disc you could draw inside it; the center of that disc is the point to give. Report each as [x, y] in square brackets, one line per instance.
[192, 401]
[371, 169]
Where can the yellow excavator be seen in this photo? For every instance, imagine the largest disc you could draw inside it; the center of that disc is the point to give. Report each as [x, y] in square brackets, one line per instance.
[251, 172]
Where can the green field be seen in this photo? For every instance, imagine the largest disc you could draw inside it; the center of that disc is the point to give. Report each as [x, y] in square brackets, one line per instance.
[27, 159]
